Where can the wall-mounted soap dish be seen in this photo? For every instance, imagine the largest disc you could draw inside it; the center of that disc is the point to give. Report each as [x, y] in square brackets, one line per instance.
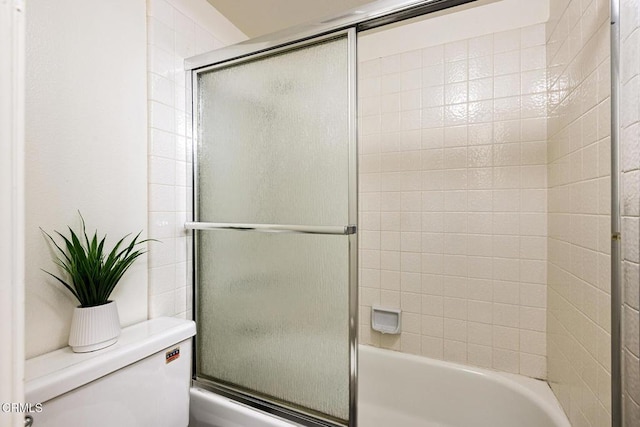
[385, 320]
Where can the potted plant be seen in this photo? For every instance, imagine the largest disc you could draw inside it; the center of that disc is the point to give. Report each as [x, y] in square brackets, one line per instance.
[91, 274]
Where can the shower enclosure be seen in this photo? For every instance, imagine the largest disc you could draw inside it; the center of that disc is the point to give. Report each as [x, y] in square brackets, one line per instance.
[276, 213]
[463, 202]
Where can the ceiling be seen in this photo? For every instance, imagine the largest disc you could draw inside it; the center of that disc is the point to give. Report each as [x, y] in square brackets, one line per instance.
[259, 17]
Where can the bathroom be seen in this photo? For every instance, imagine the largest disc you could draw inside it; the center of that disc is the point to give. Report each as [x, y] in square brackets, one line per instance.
[511, 274]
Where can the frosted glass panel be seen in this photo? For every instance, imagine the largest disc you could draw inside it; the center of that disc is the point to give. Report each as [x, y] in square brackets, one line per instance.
[273, 139]
[273, 148]
[273, 316]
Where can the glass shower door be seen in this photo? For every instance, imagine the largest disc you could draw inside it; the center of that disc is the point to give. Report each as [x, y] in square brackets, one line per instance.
[275, 243]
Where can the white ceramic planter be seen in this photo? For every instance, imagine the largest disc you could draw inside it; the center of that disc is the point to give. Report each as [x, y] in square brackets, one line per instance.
[93, 328]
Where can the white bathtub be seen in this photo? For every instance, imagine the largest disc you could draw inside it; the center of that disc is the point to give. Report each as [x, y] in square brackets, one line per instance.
[400, 390]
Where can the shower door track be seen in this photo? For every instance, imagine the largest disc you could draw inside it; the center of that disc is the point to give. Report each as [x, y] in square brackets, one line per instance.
[368, 16]
[299, 416]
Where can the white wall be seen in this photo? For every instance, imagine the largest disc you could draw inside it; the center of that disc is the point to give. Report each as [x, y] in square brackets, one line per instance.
[12, 207]
[579, 200]
[86, 141]
[177, 30]
[468, 21]
[453, 186]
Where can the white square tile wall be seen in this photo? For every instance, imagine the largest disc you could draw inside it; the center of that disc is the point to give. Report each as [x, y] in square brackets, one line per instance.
[172, 37]
[578, 152]
[630, 192]
[453, 199]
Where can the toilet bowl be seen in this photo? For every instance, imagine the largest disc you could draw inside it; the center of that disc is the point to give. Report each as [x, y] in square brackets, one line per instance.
[142, 380]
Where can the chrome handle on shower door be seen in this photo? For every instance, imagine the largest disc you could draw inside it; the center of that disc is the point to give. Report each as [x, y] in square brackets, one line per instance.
[274, 228]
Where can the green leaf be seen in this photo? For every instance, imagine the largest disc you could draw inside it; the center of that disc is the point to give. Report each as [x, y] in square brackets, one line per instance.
[92, 271]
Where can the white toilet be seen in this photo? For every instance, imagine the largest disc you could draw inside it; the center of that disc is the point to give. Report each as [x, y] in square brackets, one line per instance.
[142, 380]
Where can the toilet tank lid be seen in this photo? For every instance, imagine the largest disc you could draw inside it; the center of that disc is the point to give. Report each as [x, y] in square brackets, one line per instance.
[52, 374]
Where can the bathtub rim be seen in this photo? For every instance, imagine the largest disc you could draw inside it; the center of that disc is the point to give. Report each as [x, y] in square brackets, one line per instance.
[536, 391]
[531, 388]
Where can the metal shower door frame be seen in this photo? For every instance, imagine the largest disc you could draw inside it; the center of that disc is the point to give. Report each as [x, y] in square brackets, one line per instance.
[350, 231]
[617, 415]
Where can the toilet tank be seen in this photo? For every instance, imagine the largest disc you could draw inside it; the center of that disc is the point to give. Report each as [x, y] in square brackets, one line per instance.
[142, 380]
